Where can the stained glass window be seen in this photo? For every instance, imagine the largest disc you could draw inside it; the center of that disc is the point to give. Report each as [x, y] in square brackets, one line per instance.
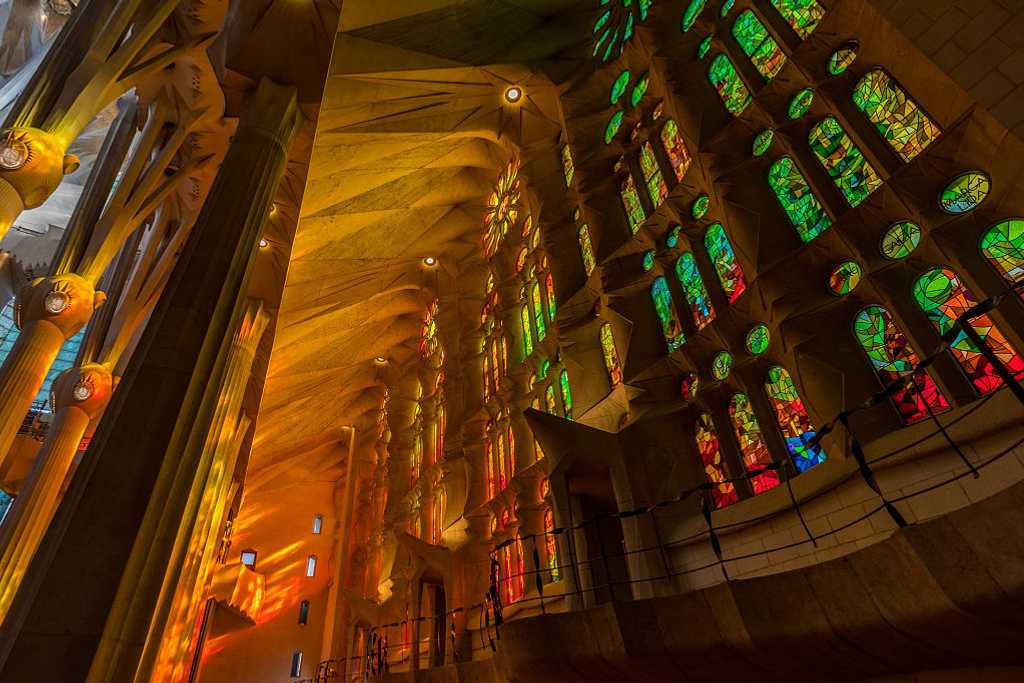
[943, 298]
[719, 249]
[696, 294]
[551, 546]
[711, 457]
[800, 103]
[757, 43]
[513, 582]
[614, 123]
[726, 8]
[700, 206]
[842, 58]
[673, 236]
[568, 167]
[757, 339]
[1003, 246]
[752, 445]
[689, 386]
[630, 197]
[721, 365]
[892, 357]
[563, 385]
[802, 15]
[731, 89]
[587, 249]
[549, 291]
[502, 207]
[850, 171]
[794, 422]
[965, 192]
[549, 399]
[615, 25]
[670, 326]
[802, 208]
[429, 343]
[690, 14]
[844, 278]
[639, 89]
[704, 47]
[611, 355]
[524, 317]
[538, 311]
[648, 259]
[763, 141]
[656, 188]
[898, 118]
[675, 149]
[900, 240]
[619, 87]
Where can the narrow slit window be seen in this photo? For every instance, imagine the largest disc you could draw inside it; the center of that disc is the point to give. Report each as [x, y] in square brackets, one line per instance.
[304, 612]
[318, 524]
[311, 566]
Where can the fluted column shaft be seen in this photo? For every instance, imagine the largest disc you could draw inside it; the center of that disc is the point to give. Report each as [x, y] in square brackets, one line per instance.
[21, 376]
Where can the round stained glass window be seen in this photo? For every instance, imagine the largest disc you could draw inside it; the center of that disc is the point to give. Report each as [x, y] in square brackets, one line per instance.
[965, 192]
[763, 141]
[721, 365]
[726, 7]
[614, 123]
[690, 14]
[700, 206]
[844, 278]
[619, 86]
[704, 47]
[673, 236]
[757, 339]
[689, 386]
[900, 240]
[639, 89]
[842, 58]
[800, 103]
[648, 259]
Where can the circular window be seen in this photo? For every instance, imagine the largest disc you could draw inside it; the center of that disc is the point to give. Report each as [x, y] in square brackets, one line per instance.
[648, 259]
[800, 103]
[673, 236]
[844, 278]
[619, 86]
[721, 365]
[842, 58]
[763, 141]
[700, 206]
[757, 339]
[965, 192]
[614, 123]
[900, 240]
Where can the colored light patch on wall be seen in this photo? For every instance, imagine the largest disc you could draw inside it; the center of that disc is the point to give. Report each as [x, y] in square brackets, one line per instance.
[845, 164]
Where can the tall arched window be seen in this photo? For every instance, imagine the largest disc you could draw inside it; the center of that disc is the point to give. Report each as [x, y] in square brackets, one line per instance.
[720, 251]
[538, 311]
[897, 117]
[524, 320]
[586, 249]
[675, 149]
[731, 89]
[794, 422]
[754, 449]
[711, 457]
[1003, 246]
[656, 188]
[611, 355]
[892, 357]
[850, 171]
[437, 511]
[566, 391]
[670, 326]
[802, 15]
[568, 167]
[802, 208]
[943, 298]
[757, 43]
[513, 581]
[696, 294]
[635, 213]
[551, 546]
[549, 288]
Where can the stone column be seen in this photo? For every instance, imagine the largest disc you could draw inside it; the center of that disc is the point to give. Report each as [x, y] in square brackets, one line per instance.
[98, 574]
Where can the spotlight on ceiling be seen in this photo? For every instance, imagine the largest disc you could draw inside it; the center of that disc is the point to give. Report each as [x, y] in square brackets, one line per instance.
[513, 94]
[430, 261]
[264, 243]
[380, 360]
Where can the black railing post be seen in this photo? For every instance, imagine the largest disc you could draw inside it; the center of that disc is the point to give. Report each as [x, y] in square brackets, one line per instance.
[537, 575]
[867, 474]
[716, 546]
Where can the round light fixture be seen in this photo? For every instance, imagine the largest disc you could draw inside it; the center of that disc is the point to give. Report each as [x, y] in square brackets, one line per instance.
[513, 94]
[264, 243]
[82, 391]
[430, 261]
[13, 154]
[380, 360]
[55, 302]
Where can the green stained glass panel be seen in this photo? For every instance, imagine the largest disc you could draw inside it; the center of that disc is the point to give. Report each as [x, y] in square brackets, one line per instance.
[700, 206]
[563, 384]
[693, 288]
[757, 43]
[614, 123]
[670, 325]
[844, 278]
[900, 240]
[673, 236]
[755, 451]
[802, 208]
[850, 171]
[568, 168]
[639, 89]
[763, 141]
[619, 87]
[800, 103]
[524, 319]
[587, 250]
[965, 192]
[757, 339]
[704, 47]
[842, 58]
[726, 7]
[648, 259]
[731, 89]
[538, 311]
[690, 14]
[1003, 246]
[631, 201]
[721, 253]
[655, 182]
[721, 365]
[898, 118]
[802, 15]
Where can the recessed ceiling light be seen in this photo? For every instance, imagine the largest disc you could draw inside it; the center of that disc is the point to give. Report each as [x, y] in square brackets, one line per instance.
[380, 360]
[513, 94]
[430, 261]
[264, 243]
